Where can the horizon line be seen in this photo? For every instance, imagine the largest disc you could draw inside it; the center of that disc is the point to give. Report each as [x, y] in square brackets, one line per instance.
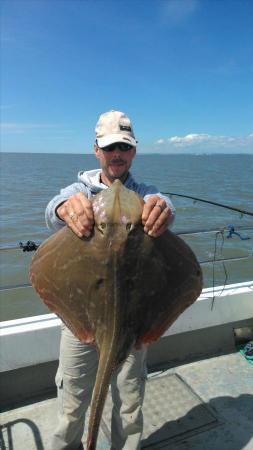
[137, 153]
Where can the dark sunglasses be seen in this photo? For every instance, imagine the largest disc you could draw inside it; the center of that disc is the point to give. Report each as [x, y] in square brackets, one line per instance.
[120, 145]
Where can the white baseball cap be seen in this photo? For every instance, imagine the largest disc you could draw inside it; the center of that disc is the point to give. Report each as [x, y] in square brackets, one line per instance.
[112, 127]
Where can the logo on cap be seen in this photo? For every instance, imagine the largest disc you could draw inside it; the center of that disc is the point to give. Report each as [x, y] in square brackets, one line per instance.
[125, 128]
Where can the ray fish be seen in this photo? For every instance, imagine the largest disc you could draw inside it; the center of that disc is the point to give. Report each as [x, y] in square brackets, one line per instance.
[118, 289]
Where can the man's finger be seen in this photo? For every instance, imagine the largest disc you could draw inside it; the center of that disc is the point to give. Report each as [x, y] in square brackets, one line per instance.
[152, 218]
[152, 209]
[77, 213]
[71, 224]
[62, 212]
[159, 212]
[155, 232]
[148, 207]
[161, 220]
[78, 207]
[85, 205]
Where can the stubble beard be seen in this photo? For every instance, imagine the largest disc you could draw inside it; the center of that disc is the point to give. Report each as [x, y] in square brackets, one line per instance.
[122, 177]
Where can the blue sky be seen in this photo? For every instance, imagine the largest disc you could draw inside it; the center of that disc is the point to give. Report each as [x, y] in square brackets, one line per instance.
[181, 69]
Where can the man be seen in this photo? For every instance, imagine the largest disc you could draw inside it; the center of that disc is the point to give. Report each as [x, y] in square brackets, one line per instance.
[115, 148]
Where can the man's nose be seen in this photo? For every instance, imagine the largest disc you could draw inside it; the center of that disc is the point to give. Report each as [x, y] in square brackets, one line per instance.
[117, 151]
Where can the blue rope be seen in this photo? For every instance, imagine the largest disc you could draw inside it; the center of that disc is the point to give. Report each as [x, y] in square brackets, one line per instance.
[248, 350]
[231, 231]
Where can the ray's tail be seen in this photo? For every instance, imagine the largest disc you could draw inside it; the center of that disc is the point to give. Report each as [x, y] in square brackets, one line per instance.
[105, 368]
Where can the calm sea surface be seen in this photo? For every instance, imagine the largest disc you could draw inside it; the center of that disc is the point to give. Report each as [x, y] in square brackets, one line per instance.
[29, 181]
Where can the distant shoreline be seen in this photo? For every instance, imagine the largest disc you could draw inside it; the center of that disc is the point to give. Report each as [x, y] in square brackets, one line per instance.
[138, 153]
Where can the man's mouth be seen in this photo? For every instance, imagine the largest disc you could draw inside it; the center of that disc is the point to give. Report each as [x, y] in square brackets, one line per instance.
[116, 162]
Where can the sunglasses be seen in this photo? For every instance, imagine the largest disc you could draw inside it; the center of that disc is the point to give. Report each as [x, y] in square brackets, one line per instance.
[120, 145]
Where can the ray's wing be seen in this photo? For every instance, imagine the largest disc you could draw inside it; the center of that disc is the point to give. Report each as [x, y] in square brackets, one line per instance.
[163, 278]
[68, 273]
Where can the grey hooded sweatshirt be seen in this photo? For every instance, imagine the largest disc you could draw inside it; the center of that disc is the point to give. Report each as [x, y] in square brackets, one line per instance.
[90, 184]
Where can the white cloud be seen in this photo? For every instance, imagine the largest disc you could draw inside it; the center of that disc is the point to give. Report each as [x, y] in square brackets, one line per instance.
[206, 142]
[192, 138]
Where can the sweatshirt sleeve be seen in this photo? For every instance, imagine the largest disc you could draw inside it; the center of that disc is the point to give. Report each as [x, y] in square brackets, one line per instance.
[52, 220]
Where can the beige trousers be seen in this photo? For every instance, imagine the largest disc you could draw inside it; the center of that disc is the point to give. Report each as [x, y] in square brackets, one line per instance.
[75, 380]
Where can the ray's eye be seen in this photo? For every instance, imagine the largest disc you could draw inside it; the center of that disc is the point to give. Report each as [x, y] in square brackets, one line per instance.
[129, 226]
[102, 227]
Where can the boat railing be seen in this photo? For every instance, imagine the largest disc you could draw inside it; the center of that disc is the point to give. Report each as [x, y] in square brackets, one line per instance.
[34, 338]
[229, 230]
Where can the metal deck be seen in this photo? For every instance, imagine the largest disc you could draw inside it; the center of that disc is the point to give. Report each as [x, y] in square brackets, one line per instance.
[206, 404]
[171, 409]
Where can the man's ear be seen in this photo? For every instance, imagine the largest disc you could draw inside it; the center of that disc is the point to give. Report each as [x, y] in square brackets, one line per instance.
[96, 151]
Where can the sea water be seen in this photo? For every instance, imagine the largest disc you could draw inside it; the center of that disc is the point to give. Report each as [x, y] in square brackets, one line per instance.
[29, 181]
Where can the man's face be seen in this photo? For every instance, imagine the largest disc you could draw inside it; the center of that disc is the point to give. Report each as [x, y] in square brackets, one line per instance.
[115, 164]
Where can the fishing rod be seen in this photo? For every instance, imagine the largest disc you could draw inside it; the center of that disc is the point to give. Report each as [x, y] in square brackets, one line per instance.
[229, 228]
[30, 246]
[9, 287]
[221, 205]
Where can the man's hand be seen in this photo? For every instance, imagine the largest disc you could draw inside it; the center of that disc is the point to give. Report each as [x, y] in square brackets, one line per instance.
[156, 216]
[77, 212]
